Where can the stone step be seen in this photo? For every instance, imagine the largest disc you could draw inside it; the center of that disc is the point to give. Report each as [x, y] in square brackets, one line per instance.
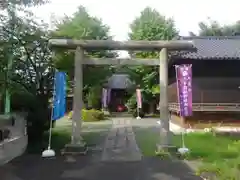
[120, 114]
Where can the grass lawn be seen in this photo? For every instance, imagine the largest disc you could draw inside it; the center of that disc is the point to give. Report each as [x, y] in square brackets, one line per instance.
[201, 124]
[59, 139]
[61, 136]
[218, 154]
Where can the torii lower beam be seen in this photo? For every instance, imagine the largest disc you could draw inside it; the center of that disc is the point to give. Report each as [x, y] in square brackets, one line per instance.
[162, 46]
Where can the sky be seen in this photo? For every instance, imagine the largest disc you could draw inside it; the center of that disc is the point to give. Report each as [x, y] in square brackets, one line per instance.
[119, 14]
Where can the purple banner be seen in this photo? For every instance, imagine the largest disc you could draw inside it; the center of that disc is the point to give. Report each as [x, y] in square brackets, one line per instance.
[104, 98]
[108, 96]
[184, 88]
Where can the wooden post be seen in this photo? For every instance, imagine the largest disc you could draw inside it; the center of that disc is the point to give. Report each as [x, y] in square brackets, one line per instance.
[164, 113]
[77, 98]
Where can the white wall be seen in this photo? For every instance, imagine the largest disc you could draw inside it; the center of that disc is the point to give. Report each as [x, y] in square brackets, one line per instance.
[17, 143]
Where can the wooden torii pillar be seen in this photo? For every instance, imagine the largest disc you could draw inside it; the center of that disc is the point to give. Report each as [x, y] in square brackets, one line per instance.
[81, 45]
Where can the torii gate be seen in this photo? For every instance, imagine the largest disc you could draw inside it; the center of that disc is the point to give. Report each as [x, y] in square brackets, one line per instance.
[80, 45]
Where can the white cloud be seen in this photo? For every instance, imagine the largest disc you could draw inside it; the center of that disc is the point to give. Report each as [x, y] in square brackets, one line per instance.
[118, 14]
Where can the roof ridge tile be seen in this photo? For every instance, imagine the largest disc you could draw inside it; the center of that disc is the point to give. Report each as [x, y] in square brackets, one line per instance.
[209, 37]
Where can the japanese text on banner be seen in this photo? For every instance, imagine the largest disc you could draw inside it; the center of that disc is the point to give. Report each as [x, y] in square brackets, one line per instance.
[184, 87]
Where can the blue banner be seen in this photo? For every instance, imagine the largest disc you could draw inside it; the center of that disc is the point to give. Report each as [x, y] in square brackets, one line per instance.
[59, 96]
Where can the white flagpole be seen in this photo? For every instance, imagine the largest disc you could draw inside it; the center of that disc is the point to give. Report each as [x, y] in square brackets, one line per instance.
[50, 152]
[138, 114]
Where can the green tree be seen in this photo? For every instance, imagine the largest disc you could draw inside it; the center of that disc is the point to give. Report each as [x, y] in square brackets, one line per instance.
[12, 7]
[150, 25]
[31, 77]
[214, 28]
[4, 4]
[83, 26]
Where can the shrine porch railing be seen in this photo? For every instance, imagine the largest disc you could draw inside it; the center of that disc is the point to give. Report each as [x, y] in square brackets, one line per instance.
[210, 107]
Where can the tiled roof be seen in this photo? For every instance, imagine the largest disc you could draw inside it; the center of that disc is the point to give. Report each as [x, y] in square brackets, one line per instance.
[223, 47]
[119, 81]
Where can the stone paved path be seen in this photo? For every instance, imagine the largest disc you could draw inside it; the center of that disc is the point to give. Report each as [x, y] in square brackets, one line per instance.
[120, 159]
[120, 144]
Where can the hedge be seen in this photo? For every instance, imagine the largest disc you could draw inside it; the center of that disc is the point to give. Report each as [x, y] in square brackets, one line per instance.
[90, 115]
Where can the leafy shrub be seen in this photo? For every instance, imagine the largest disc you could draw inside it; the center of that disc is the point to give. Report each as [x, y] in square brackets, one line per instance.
[70, 114]
[94, 97]
[38, 113]
[141, 113]
[90, 115]
[132, 106]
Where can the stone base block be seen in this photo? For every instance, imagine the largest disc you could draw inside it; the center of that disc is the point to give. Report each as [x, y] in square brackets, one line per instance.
[166, 148]
[75, 149]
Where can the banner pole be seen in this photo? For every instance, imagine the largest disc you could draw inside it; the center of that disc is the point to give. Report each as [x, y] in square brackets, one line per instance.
[49, 152]
[183, 133]
[138, 112]
[51, 119]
